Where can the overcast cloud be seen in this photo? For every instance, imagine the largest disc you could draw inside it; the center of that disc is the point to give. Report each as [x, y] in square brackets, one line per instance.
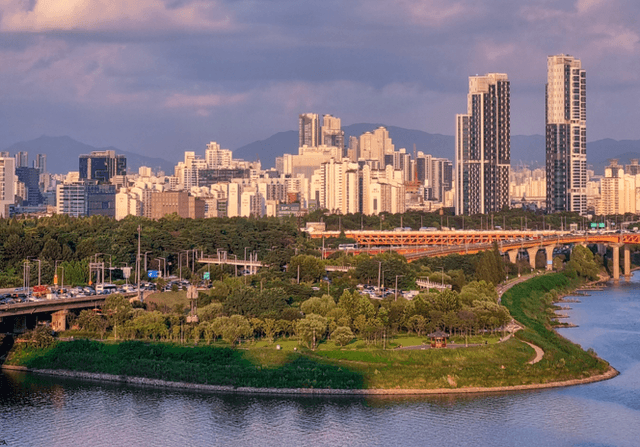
[156, 77]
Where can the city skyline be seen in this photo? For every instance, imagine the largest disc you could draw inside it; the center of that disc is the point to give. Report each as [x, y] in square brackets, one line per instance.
[154, 78]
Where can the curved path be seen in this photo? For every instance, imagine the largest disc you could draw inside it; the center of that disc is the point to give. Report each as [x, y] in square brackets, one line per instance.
[539, 353]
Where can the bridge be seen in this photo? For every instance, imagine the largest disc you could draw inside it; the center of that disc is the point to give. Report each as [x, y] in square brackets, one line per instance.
[56, 307]
[425, 283]
[418, 244]
[222, 258]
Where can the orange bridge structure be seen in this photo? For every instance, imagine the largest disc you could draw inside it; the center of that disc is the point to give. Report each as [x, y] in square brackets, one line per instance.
[418, 244]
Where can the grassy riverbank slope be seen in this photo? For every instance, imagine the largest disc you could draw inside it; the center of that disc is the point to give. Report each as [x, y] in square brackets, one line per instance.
[531, 303]
[355, 366]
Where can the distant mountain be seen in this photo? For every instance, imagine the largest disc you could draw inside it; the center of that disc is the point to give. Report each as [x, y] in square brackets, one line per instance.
[598, 152]
[63, 153]
[525, 149]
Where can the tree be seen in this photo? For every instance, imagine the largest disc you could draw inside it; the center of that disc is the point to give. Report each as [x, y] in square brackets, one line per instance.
[311, 329]
[318, 305]
[583, 262]
[311, 268]
[342, 335]
[235, 328]
[117, 309]
[417, 324]
[270, 327]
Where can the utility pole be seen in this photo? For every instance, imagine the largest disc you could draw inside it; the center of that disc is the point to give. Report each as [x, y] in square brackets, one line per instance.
[138, 263]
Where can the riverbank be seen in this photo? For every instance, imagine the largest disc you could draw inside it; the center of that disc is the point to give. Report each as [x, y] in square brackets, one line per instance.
[142, 381]
[493, 368]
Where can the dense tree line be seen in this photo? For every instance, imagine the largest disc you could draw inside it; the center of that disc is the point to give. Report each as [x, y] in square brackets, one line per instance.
[73, 242]
[247, 313]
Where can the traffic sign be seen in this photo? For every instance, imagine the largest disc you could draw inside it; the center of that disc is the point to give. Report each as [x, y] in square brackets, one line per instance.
[206, 275]
[153, 273]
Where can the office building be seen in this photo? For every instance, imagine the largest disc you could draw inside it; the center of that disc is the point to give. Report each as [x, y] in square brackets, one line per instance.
[483, 146]
[102, 166]
[31, 179]
[178, 202]
[566, 135]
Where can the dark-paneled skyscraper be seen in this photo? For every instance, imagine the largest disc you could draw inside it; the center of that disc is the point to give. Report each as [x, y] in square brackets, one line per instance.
[483, 146]
[566, 135]
[102, 165]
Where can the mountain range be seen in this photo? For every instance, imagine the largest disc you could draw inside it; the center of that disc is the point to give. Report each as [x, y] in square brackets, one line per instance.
[525, 149]
[63, 152]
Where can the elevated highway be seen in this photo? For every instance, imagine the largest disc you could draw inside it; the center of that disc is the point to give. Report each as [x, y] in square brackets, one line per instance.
[54, 305]
[418, 244]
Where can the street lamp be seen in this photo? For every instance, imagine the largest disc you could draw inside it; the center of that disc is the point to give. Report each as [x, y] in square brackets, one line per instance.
[145, 259]
[110, 268]
[62, 287]
[39, 268]
[397, 276]
[165, 265]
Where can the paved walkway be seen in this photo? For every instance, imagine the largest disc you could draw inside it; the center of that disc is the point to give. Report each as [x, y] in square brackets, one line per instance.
[539, 353]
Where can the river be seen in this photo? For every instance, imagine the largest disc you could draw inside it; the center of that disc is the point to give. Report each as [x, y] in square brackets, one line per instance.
[40, 410]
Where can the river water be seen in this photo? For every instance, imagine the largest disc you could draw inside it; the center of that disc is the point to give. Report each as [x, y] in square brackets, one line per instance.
[39, 410]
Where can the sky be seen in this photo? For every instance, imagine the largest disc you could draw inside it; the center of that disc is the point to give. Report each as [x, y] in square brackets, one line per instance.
[160, 77]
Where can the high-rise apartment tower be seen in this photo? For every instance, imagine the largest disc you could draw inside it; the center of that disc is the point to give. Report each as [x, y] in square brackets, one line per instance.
[566, 135]
[483, 146]
[308, 130]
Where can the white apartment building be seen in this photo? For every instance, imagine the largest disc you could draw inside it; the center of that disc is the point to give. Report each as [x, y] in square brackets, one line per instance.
[7, 184]
[216, 157]
[618, 191]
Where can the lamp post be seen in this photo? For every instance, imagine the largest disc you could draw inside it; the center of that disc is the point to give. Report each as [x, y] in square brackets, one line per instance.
[165, 265]
[26, 273]
[110, 268]
[397, 276]
[55, 271]
[180, 261]
[39, 268]
[62, 288]
[145, 259]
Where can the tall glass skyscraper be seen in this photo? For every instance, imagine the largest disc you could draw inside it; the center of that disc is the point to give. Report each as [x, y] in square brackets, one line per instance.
[566, 135]
[483, 146]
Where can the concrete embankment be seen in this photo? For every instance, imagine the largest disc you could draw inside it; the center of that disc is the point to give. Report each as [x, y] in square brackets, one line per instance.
[610, 373]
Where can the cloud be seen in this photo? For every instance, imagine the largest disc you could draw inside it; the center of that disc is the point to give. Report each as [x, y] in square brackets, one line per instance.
[201, 105]
[112, 15]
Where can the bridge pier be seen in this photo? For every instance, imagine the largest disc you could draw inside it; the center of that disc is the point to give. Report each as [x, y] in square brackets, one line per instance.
[627, 262]
[616, 262]
[513, 255]
[549, 251]
[533, 251]
[59, 320]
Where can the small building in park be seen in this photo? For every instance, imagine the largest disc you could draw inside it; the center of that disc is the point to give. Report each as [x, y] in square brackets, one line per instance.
[438, 339]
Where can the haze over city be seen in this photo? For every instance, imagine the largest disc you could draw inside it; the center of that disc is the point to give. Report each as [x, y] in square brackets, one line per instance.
[158, 77]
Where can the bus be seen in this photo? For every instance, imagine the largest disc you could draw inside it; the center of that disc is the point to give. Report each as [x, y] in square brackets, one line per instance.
[347, 246]
[105, 289]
